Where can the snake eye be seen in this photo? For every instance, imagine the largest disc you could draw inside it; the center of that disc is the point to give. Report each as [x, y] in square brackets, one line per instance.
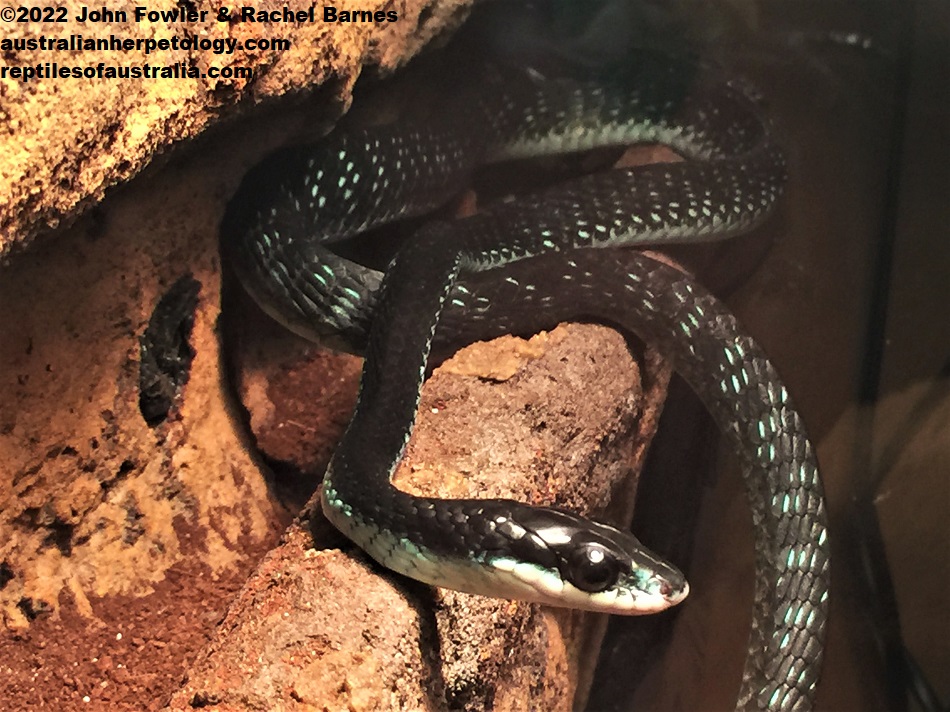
[592, 569]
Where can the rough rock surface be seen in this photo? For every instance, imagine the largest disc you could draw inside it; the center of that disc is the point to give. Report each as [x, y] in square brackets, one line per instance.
[64, 142]
[120, 541]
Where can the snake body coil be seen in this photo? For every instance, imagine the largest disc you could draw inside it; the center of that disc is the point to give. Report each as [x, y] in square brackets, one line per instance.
[527, 265]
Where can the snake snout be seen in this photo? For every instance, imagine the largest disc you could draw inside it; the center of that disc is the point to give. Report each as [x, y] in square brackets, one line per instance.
[663, 584]
[673, 591]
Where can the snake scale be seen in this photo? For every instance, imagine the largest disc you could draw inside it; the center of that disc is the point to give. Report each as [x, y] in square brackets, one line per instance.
[527, 264]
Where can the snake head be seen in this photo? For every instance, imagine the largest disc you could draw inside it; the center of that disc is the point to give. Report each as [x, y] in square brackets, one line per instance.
[560, 559]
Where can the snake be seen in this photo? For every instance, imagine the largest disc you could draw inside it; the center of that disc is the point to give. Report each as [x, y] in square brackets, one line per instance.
[564, 252]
